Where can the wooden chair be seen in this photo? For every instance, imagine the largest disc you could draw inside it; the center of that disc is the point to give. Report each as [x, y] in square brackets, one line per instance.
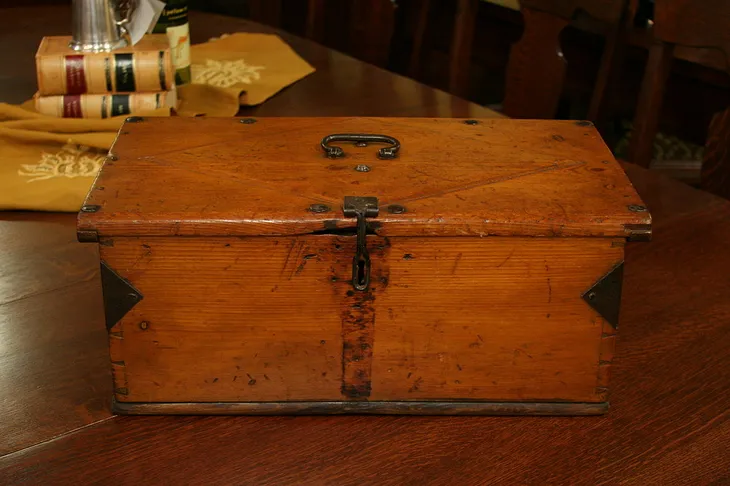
[696, 24]
[461, 43]
[461, 46]
[265, 11]
[364, 27]
[536, 69]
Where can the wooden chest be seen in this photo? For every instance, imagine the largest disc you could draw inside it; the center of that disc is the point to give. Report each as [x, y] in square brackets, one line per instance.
[361, 265]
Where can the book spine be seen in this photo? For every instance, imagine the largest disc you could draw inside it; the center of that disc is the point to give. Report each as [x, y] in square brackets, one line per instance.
[100, 73]
[100, 105]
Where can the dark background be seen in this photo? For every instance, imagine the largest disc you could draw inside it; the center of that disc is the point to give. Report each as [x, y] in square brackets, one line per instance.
[694, 92]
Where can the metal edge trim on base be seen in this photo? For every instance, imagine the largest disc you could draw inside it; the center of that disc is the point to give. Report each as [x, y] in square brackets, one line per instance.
[363, 407]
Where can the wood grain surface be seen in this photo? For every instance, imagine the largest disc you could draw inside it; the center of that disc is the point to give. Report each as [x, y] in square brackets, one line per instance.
[53, 354]
[40, 256]
[668, 423]
[276, 319]
[257, 319]
[492, 177]
[491, 319]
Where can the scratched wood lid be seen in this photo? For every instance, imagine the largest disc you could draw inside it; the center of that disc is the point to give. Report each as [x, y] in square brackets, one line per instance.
[439, 177]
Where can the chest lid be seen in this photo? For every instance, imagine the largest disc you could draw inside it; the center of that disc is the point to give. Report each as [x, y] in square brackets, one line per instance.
[283, 176]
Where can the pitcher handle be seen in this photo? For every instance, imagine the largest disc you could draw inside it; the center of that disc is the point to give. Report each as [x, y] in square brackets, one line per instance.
[122, 24]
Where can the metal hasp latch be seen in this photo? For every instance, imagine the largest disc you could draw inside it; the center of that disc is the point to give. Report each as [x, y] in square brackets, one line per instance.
[361, 208]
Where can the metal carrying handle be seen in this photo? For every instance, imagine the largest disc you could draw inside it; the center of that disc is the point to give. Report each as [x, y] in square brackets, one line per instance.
[361, 140]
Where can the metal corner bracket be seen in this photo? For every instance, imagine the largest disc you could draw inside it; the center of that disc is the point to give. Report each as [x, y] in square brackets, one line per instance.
[604, 296]
[119, 295]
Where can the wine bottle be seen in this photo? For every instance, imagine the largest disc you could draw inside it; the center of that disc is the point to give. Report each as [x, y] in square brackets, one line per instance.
[174, 22]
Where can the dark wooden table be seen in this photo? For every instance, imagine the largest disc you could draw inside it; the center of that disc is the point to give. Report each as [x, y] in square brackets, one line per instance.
[671, 385]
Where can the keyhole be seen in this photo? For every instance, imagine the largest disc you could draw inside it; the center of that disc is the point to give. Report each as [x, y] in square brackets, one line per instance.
[361, 273]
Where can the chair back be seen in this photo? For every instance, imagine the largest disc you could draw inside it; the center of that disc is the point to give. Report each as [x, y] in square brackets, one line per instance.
[536, 68]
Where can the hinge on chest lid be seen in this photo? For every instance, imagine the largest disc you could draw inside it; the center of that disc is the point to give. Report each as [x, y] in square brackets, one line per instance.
[361, 208]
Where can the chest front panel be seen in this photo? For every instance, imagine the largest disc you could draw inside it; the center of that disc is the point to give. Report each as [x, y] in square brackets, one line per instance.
[266, 319]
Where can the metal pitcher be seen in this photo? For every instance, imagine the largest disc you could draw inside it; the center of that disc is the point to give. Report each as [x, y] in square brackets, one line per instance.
[98, 26]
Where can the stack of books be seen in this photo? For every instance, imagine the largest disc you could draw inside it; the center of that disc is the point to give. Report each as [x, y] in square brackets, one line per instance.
[104, 84]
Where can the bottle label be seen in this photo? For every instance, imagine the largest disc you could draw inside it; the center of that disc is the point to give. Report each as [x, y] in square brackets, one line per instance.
[179, 37]
[174, 15]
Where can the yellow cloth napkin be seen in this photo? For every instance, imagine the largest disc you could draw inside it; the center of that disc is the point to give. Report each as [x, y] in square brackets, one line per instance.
[49, 164]
[239, 68]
